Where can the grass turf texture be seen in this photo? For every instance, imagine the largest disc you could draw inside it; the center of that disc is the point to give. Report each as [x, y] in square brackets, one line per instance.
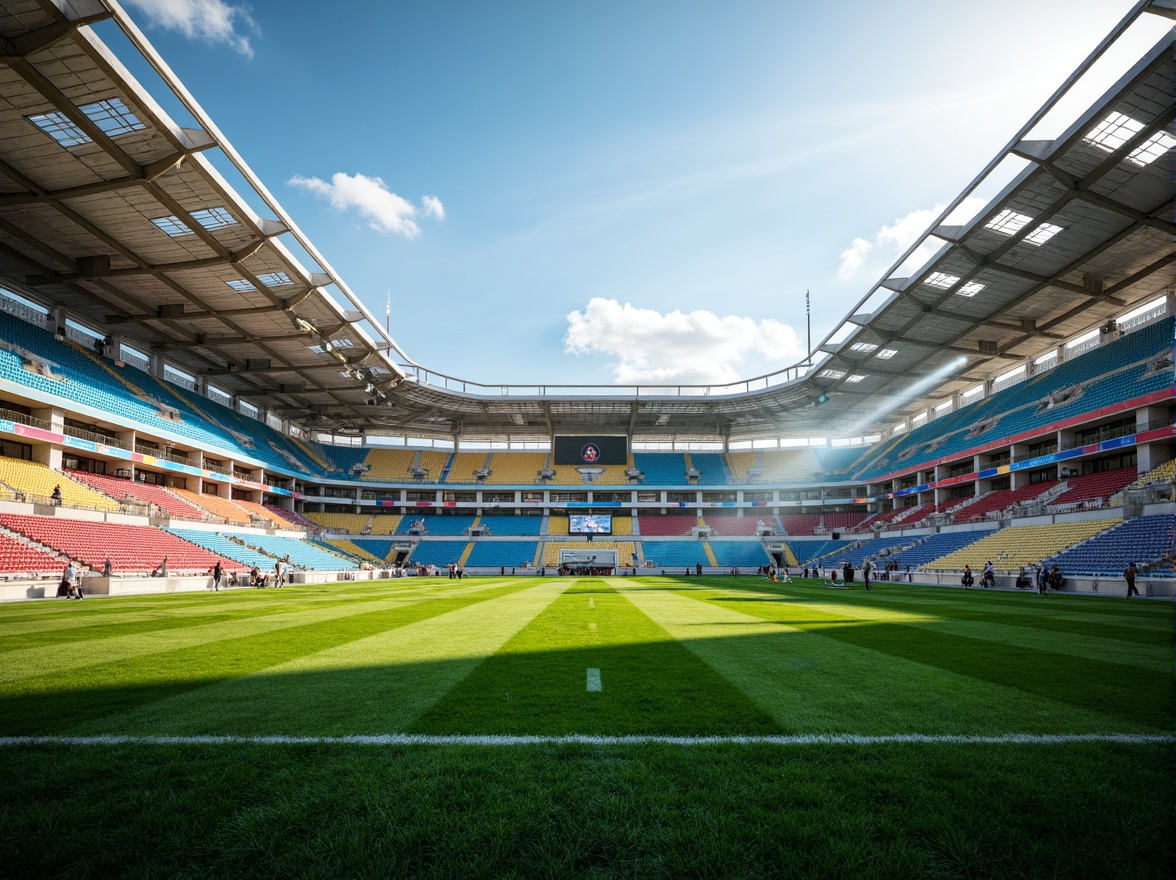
[679, 657]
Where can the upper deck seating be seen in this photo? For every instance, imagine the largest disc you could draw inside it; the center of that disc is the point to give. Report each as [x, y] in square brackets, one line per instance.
[661, 468]
[217, 506]
[1002, 499]
[512, 525]
[711, 467]
[666, 525]
[732, 525]
[516, 468]
[1093, 490]
[122, 489]
[436, 524]
[37, 482]
[463, 466]
[1108, 374]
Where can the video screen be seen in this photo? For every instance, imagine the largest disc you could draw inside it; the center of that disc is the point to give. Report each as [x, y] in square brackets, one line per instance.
[590, 524]
[584, 450]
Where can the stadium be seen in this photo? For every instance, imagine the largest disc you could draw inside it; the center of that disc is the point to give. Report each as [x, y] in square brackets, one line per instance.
[573, 630]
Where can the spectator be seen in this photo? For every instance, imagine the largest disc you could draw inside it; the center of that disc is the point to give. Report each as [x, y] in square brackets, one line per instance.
[988, 578]
[967, 580]
[1056, 581]
[1129, 576]
[107, 568]
[217, 574]
[56, 496]
[160, 570]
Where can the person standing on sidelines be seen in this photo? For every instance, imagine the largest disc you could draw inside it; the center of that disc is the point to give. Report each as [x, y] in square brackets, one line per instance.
[1129, 576]
[867, 573]
[217, 574]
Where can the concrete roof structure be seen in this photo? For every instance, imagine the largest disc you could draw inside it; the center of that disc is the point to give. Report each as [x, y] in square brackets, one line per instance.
[113, 210]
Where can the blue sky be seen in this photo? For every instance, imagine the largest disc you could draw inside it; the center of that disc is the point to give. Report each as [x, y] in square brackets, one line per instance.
[635, 192]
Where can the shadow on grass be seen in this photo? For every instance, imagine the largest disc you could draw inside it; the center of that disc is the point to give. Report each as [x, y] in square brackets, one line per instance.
[652, 686]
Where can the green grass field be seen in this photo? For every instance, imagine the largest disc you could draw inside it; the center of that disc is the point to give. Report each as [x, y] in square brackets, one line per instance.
[199, 735]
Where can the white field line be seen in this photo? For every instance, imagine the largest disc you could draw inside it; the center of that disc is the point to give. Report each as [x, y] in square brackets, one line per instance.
[594, 680]
[411, 739]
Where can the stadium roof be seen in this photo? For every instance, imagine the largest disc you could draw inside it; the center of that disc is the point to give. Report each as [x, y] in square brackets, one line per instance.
[113, 209]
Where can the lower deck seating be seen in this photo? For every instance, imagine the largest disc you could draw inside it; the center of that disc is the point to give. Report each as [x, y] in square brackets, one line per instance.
[130, 549]
[17, 557]
[502, 554]
[1145, 540]
[221, 545]
[674, 554]
[437, 552]
[808, 552]
[1012, 548]
[302, 554]
[740, 554]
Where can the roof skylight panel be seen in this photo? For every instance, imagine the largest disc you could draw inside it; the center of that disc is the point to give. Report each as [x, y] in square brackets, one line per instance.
[58, 127]
[886, 354]
[1009, 222]
[864, 347]
[240, 285]
[113, 117]
[970, 289]
[941, 280]
[208, 218]
[1042, 233]
[274, 279]
[1118, 128]
[832, 374]
[855, 378]
[214, 218]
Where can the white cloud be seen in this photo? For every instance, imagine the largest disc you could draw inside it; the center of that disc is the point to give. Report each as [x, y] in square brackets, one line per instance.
[679, 348]
[213, 21]
[853, 257]
[384, 210]
[892, 239]
[431, 207]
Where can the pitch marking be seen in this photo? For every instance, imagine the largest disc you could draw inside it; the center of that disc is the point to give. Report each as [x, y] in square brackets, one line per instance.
[592, 626]
[591, 602]
[594, 680]
[410, 739]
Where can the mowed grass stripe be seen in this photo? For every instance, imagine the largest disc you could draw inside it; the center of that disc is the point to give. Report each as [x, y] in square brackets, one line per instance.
[110, 616]
[536, 683]
[373, 685]
[57, 702]
[1098, 685]
[1079, 616]
[812, 684]
[34, 661]
[1092, 645]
